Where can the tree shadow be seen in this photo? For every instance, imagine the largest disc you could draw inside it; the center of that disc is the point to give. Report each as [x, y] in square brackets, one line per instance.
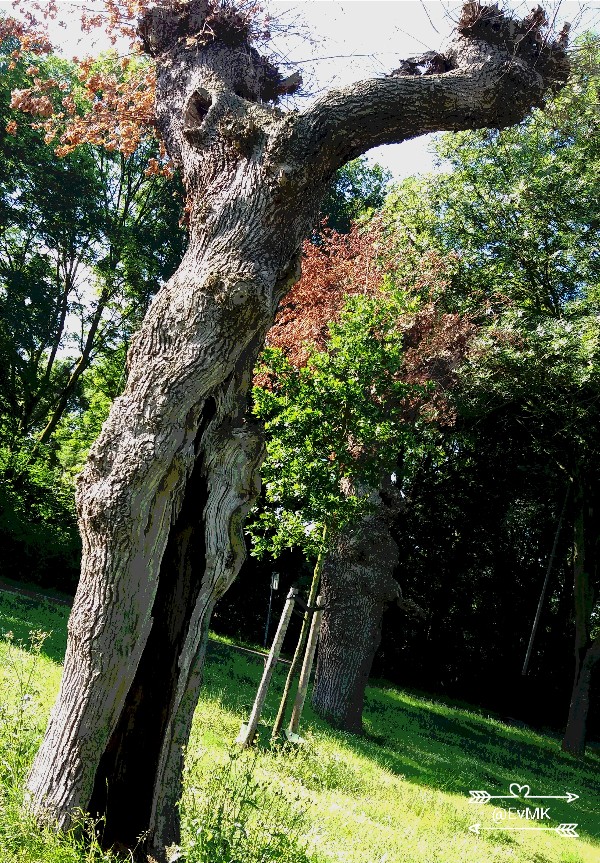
[450, 749]
[435, 745]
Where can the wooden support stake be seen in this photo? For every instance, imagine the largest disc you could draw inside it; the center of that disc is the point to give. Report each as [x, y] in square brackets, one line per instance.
[299, 652]
[307, 665]
[247, 732]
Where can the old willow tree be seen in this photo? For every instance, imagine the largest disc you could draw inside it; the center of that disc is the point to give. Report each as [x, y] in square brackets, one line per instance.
[164, 493]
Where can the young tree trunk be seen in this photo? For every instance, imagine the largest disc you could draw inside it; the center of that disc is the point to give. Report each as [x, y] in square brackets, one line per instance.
[162, 499]
[357, 586]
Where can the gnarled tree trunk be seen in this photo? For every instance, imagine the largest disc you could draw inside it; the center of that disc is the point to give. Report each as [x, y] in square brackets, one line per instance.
[163, 496]
[357, 586]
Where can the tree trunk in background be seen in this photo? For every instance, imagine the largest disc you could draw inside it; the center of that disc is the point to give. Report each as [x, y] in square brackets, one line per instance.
[575, 734]
[167, 485]
[587, 651]
[357, 586]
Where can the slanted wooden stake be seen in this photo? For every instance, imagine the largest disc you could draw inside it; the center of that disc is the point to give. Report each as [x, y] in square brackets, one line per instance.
[299, 652]
[247, 732]
[307, 665]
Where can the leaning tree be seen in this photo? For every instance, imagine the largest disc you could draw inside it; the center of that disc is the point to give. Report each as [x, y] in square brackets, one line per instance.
[162, 499]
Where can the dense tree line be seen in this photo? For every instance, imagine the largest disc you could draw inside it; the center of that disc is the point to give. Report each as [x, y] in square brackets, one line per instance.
[85, 241]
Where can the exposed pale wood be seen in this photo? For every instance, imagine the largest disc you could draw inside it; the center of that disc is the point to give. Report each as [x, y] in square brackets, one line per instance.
[299, 651]
[307, 665]
[246, 735]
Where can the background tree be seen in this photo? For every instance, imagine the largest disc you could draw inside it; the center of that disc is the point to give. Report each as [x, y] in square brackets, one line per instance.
[339, 422]
[85, 241]
[359, 189]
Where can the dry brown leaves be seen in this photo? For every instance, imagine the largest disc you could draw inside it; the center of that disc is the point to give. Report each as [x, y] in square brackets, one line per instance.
[341, 265]
[112, 110]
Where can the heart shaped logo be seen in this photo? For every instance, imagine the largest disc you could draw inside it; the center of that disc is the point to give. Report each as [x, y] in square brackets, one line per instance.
[519, 790]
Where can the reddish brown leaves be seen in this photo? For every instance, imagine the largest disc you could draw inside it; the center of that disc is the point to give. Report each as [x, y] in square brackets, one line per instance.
[435, 342]
[113, 109]
[110, 109]
[343, 265]
[32, 38]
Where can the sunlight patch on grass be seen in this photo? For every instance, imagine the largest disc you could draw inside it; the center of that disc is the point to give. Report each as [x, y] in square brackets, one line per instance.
[399, 794]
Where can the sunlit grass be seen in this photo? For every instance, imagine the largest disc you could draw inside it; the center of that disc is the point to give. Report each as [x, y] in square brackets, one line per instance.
[400, 794]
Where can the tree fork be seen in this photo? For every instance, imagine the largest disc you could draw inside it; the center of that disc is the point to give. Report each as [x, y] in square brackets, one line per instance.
[176, 442]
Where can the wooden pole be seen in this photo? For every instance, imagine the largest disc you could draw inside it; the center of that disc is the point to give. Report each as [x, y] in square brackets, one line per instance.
[306, 669]
[247, 732]
[299, 652]
[538, 612]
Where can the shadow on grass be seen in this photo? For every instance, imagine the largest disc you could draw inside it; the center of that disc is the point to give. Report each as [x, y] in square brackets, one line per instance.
[428, 743]
[433, 744]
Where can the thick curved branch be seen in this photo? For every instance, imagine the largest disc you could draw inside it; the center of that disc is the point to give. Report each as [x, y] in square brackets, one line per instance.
[495, 72]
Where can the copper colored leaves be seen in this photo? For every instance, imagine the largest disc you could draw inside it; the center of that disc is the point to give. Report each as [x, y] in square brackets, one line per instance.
[112, 103]
[340, 265]
[29, 36]
[109, 105]
[434, 341]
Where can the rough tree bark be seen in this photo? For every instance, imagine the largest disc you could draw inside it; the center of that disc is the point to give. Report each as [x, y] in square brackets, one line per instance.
[164, 493]
[587, 648]
[357, 585]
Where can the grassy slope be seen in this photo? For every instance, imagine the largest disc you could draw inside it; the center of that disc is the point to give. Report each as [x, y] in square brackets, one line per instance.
[398, 794]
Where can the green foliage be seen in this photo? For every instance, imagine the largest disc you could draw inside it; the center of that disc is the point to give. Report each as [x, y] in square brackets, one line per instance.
[548, 366]
[519, 206]
[519, 211]
[22, 615]
[18, 728]
[85, 242]
[38, 530]
[334, 427]
[49, 223]
[358, 190]
[79, 428]
[23, 716]
[237, 818]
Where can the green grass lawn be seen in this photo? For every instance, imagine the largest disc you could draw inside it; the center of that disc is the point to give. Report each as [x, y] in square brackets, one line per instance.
[400, 794]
